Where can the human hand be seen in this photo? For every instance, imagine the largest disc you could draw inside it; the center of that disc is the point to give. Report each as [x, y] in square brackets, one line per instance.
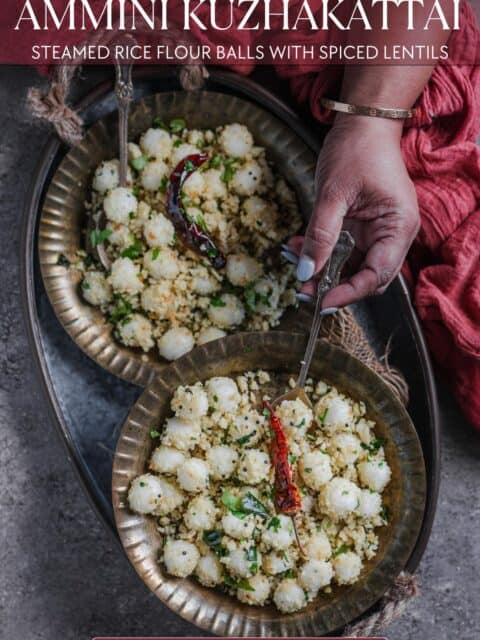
[363, 187]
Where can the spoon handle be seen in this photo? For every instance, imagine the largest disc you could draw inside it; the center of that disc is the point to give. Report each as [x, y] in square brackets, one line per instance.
[124, 95]
[329, 279]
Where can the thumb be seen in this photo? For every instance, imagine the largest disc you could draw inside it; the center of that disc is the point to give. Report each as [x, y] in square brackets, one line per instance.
[322, 233]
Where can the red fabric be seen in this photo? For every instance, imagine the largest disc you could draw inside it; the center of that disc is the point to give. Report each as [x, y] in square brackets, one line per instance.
[441, 153]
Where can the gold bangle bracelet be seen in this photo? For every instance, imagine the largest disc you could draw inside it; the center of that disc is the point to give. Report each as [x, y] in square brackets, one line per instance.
[374, 112]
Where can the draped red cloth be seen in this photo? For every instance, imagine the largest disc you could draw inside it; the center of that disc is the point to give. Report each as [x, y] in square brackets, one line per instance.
[443, 159]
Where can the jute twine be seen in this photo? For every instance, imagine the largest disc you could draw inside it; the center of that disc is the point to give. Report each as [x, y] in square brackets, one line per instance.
[340, 329]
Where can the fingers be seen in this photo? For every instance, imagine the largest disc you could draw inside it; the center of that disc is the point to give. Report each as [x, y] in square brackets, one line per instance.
[382, 264]
[321, 235]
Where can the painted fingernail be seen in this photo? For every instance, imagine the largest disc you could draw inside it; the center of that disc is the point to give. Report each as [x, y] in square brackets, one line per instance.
[305, 269]
[304, 297]
[329, 311]
[289, 257]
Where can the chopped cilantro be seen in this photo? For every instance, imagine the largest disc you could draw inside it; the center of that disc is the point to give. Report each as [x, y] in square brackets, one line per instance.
[251, 554]
[158, 123]
[133, 251]
[98, 236]
[177, 125]
[291, 458]
[274, 523]
[189, 166]
[154, 434]
[217, 302]
[164, 184]
[374, 445]
[201, 223]
[385, 514]
[213, 539]
[85, 285]
[324, 415]
[177, 143]
[343, 549]
[215, 162]
[122, 308]
[244, 439]
[155, 253]
[139, 163]
[228, 173]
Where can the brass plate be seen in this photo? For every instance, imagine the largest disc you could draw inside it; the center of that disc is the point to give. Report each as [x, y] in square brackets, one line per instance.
[63, 216]
[405, 495]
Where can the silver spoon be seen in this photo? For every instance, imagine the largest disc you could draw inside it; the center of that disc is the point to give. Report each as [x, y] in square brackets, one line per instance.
[329, 279]
[124, 96]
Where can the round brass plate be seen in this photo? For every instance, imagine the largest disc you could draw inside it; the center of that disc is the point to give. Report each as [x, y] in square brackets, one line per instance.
[405, 495]
[63, 216]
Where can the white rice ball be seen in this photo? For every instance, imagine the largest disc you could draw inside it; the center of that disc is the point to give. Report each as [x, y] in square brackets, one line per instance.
[209, 570]
[347, 567]
[274, 563]
[119, 204]
[96, 289]
[194, 186]
[214, 187]
[171, 498]
[159, 231]
[228, 311]
[242, 269]
[166, 459]
[161, 262]
[370, 504]
[374, 474]
[190, 401]
[153, 174]
[192, 475]
[318, 546]
[345, 448]
[238, 527]
[246, 428]
[236, 140]
[107, 176]
[295, 417]
[180, 557]
[159, 298]
[222, 461]
[238, 564]
[144, 493]
[136, 331]
[181, 434]
[175, 343]
[182, 151]
[254, 466]
[314, 575]
[339, 412]
[247, 179]
[258, 215]
[209, 334]
[315, 469]
[279, 533]
[156, 143]
[261, 591]
[289, 596]
[339, 497]
[222, 394]
[120, 235]
[203, 283]
[125, 276]
[201, 514]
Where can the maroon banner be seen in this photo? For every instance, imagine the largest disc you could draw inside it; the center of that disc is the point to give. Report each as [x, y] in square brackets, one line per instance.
[239, 32]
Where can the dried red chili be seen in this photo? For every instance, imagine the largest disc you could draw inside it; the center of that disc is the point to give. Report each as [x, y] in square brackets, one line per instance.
[287, 496]
[191, 231]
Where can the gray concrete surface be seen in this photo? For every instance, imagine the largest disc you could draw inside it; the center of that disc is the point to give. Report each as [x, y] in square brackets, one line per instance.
[62, 575]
